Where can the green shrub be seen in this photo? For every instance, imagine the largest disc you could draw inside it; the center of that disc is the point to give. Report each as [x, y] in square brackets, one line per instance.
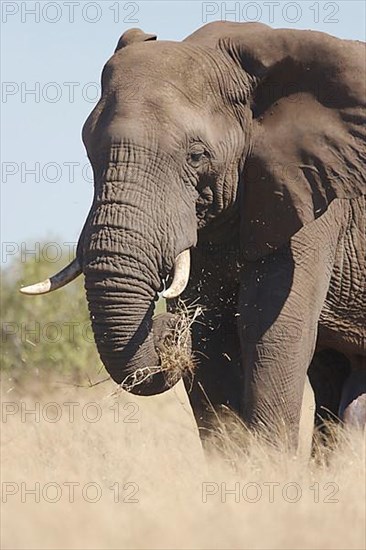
[48, 333]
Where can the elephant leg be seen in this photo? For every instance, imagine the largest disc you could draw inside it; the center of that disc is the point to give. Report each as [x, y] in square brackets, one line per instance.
[352, 408]
[276, 355]
[218, 377]
[327, 373]
[213, 286]
[281, 299]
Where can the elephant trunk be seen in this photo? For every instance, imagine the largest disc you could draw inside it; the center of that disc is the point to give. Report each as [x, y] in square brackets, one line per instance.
[125, 255]
[122, 322]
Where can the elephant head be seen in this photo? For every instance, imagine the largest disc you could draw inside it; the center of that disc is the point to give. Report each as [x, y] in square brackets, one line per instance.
[238, 130]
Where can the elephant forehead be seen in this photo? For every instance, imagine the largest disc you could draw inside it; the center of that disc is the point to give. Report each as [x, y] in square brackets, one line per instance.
[157, 71]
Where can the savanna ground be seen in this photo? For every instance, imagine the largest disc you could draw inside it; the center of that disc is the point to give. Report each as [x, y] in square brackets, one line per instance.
[94, 468]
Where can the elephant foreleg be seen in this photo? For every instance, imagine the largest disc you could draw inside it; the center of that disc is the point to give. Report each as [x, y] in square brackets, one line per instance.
[215, 341]
[218, 377]
[280, 303]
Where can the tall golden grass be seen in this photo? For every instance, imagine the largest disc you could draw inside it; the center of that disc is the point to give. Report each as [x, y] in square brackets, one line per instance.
[141, 460]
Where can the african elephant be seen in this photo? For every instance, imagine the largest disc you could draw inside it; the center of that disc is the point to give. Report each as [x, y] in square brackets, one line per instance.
[244, 148]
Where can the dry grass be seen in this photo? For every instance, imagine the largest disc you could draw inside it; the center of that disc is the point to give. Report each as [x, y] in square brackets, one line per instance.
[176, 357]
[181, 496]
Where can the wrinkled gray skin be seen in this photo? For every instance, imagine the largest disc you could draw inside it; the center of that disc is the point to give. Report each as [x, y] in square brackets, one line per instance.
[246, 145]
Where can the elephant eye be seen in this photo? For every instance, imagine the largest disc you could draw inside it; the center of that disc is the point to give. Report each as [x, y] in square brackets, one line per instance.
[196, 154]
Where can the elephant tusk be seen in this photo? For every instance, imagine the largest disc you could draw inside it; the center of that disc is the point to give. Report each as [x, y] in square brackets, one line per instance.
[181, 275]
[66, 275]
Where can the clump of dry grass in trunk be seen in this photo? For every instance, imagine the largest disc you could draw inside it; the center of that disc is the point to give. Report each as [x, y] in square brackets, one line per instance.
[176, 357]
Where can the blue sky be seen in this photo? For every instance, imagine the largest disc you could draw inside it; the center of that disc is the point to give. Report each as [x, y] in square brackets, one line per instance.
[58, 51]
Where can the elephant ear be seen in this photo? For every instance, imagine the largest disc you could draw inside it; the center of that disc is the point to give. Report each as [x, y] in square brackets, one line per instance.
[133, 35]
[307, 96]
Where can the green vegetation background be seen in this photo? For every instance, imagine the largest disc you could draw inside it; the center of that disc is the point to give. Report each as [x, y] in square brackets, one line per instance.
[48, 333]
